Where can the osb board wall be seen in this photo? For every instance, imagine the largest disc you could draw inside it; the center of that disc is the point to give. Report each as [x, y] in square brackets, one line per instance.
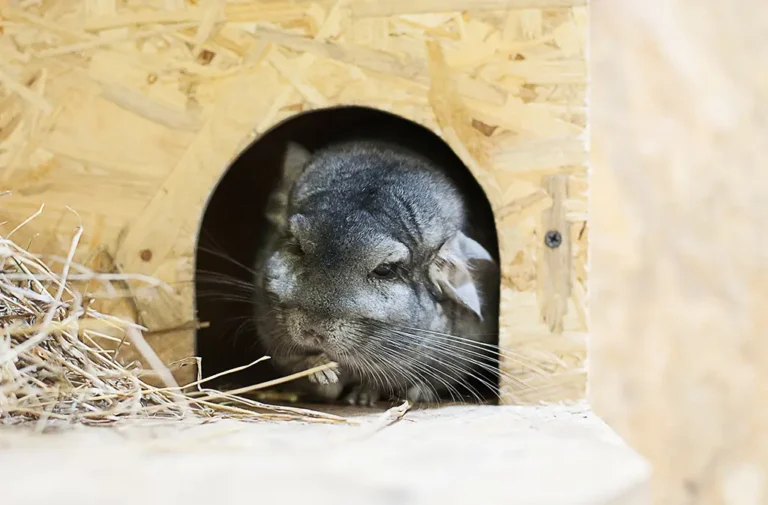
[128, 112]
[679, 267]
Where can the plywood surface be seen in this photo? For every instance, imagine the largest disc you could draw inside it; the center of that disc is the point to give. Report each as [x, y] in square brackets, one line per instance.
[458, 455]
[127, 112]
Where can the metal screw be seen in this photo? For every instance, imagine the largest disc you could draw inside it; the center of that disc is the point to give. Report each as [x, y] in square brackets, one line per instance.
[553, 239]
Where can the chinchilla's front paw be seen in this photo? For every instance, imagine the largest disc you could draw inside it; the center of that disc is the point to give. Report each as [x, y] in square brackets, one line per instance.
[327, 376]
[324, 377]
[362, 396]
[325, 383]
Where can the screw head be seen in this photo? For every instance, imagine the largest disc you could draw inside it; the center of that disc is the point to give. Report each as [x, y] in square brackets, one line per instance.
[553, 239]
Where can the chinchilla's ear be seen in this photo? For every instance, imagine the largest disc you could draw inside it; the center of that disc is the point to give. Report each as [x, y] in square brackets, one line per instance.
[450, 274]
[294, 160]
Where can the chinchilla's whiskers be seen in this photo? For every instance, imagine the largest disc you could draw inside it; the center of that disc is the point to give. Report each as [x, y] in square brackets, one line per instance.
[265, 316]
[463, 346]
[404, 364]
[441, 333]
[400, 363]
[246, 323]
[419, 367]
[216, 288]
[457, 357]
[451, 363]
[223, 278]
[240, 295]
[230, 289]
[285, 346]
[392, 362]
[484, 360]
[250, 323]
[245, 326]
[417, 372]
[479, 346]
[372, 366]
[514, 357]
[430, 374]
[277, 341]
[452, 355]
[225, 328]
[223, 297]
[376, 373]
[360, 366]
[222, 253]
[246, 292]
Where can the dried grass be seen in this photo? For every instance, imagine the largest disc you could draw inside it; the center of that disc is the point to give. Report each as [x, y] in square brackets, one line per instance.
[54, 371]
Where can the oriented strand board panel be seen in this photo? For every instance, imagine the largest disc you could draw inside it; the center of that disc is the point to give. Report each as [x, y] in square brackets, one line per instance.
[127, 112]
[679, 266]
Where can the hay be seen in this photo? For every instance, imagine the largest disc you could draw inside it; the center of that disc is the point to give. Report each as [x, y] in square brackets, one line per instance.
[55, 369]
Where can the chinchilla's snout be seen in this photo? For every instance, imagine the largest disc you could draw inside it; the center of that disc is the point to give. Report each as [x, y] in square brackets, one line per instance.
[315, 330]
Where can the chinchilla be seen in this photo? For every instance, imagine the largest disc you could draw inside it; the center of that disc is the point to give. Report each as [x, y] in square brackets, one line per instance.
[369, 263]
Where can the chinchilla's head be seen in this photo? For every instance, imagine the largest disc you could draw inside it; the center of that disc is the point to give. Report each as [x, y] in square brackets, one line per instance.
[371, 250]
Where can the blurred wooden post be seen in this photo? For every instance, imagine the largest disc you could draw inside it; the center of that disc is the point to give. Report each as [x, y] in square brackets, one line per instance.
[679, 259]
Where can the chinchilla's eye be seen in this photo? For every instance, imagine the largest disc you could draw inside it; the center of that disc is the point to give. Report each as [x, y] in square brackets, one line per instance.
[384, 271]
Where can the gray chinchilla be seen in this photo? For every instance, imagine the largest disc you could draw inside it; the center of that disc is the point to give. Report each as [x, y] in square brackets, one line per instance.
[370, 264]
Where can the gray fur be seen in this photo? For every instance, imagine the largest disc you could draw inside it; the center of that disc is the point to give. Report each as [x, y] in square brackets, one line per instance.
[338, 214]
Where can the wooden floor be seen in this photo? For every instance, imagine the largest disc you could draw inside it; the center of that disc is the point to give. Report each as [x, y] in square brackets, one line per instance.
[454, 455]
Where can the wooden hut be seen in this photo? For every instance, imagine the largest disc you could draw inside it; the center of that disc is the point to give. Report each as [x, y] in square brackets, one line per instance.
[122, 116]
